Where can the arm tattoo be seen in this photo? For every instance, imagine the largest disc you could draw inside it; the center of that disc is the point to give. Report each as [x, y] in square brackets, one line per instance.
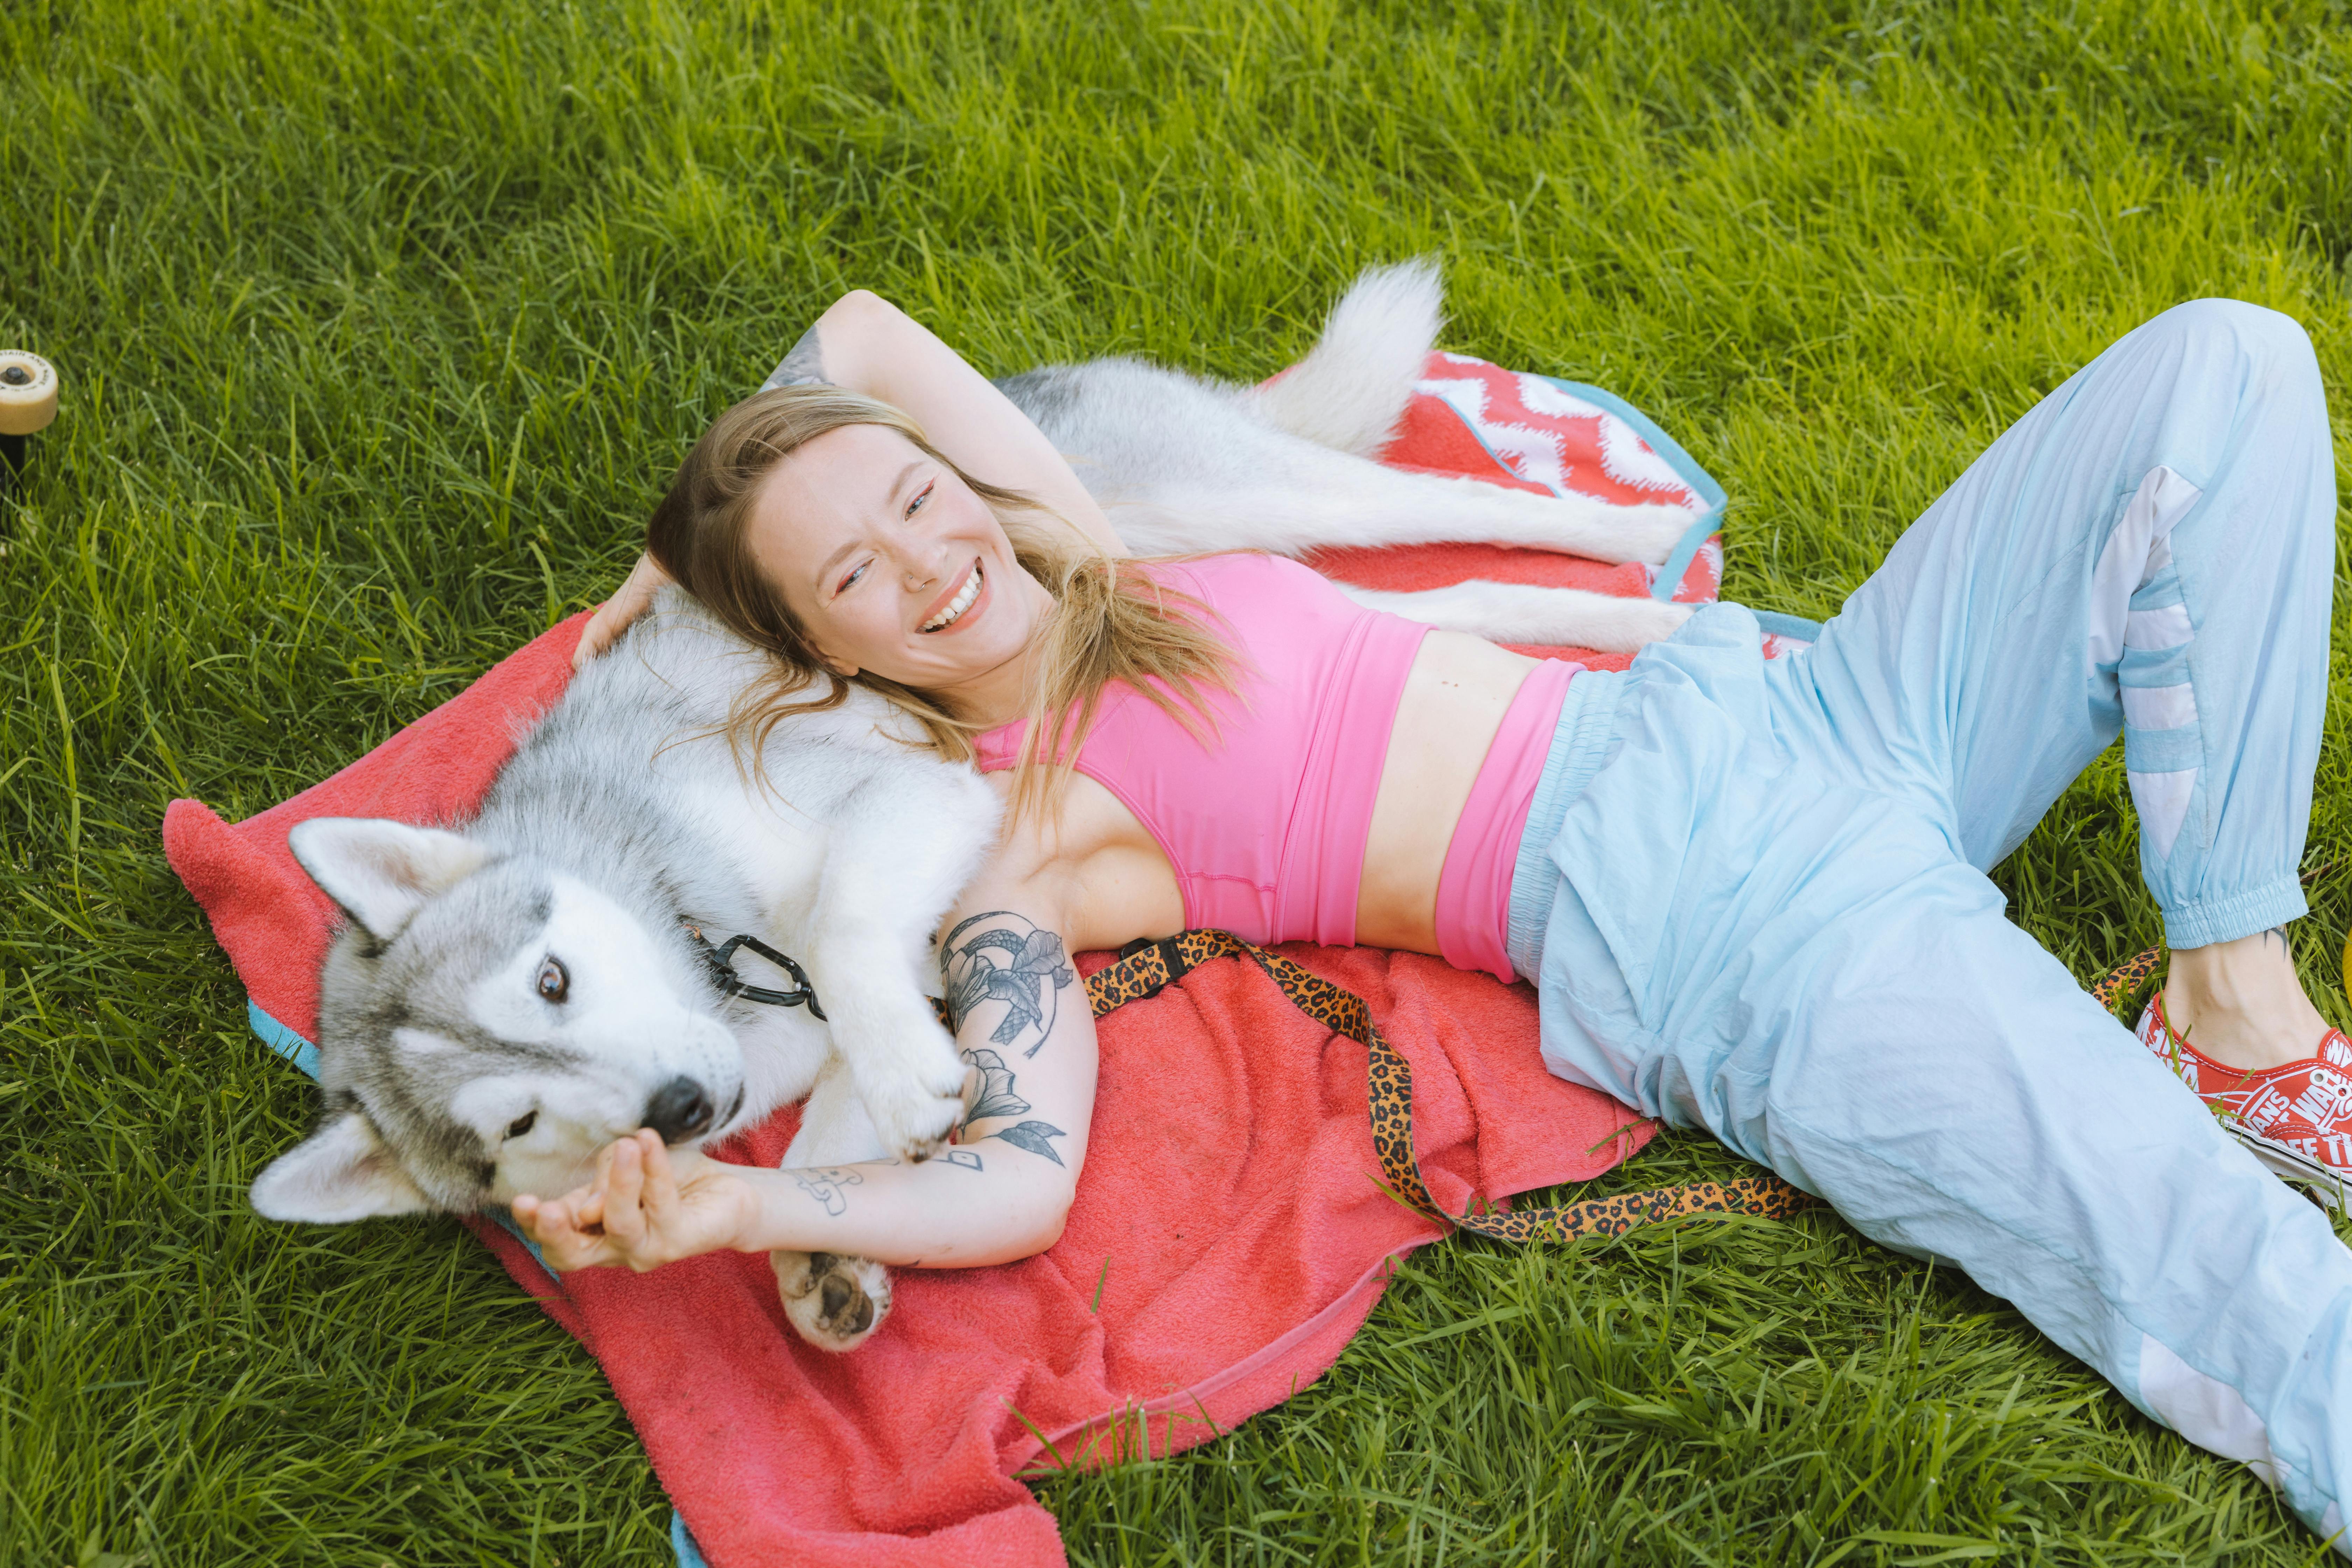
[1000, 957]
[804, 366]
[825, 1186]
[997, 1100]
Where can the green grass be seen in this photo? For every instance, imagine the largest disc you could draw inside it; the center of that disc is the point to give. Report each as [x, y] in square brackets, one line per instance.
[381, 321]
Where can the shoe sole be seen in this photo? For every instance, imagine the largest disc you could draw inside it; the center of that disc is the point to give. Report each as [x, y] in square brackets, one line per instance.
[2324, 1183]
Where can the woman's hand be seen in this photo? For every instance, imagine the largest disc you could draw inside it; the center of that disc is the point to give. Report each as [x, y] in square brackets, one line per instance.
[646, 1207]
[613, 617]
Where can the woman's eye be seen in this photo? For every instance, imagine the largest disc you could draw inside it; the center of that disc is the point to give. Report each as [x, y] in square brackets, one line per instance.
[921, 497]
[851, 580]
[522, 1124]
[554, 983]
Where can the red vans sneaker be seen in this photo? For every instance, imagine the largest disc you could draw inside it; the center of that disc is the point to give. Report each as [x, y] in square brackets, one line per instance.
[2296, 1118]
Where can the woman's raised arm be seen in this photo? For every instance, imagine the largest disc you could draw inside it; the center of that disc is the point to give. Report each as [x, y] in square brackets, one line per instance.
[1024, 1027]
[866, 344]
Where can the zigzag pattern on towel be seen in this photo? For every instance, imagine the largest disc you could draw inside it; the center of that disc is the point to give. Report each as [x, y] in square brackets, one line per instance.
[1527, 431]
[1469, 418]
[1551, 440]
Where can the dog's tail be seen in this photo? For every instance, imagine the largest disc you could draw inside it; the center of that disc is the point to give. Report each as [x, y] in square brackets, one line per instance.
[1352, 387]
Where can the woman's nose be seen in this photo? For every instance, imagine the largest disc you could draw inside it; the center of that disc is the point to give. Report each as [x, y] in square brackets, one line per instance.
[922, 562]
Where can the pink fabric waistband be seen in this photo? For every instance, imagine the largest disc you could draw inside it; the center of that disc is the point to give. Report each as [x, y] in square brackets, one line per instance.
[1473, 890]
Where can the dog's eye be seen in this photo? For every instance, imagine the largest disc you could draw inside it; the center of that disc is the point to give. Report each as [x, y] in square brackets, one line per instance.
[522, 1124]
[554, 983]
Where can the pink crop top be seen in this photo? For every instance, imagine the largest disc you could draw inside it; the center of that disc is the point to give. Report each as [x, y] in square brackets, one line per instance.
[1266, 822]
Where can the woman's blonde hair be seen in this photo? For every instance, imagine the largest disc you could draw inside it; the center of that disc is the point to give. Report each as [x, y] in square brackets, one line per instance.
[1107, 624]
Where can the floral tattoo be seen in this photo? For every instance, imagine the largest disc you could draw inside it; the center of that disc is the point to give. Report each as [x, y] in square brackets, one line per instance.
[1001, 957]
[997, 1100]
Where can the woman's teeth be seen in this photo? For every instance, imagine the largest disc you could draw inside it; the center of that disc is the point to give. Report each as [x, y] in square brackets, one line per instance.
[957, 605]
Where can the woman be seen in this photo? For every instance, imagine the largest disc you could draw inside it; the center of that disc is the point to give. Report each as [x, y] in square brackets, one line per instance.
[1751, 894]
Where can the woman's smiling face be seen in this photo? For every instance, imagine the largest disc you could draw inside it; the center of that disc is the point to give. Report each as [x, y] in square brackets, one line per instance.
[893, 565]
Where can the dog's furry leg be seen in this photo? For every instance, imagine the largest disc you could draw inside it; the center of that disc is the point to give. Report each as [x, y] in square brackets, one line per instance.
[894, 862]
[834, 1302]
[1523, 613]
[1315, 498]
[1182, 468]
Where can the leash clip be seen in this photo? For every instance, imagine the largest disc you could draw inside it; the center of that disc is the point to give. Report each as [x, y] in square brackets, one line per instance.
[721, 962]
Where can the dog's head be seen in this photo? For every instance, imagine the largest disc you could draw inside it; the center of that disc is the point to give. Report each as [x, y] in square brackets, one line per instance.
[486, 1024]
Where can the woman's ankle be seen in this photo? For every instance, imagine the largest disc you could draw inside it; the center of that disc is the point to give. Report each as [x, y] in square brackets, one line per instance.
[2240, 1004]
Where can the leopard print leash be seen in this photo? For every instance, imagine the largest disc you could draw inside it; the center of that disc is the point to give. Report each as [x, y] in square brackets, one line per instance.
[2126, 982]
[1145, 967]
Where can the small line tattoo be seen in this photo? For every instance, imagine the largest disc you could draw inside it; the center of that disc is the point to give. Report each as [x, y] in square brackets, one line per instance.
[804, 366]
[825, 1186]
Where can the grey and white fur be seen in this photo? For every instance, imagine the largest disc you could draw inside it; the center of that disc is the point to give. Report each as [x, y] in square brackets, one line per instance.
[1183, 464]
[510, 994]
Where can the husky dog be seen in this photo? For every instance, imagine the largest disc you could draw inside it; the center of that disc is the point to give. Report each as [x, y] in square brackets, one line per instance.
[510, 994]
[506, 998]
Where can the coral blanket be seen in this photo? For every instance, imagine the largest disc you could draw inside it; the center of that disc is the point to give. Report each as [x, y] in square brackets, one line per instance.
[1229, 1234]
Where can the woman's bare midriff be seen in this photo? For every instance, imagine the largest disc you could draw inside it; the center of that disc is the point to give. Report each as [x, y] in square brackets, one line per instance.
[1454, 703]
[1113, 883]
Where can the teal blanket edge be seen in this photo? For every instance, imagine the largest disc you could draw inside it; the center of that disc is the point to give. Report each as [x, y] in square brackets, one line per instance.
[1670, 576]
[1669, 579]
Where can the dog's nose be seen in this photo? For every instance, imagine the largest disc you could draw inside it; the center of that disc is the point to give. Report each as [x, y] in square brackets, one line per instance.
[678, 1110]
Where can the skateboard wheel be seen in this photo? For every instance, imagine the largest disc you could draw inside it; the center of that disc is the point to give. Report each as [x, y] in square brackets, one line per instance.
[28, 392]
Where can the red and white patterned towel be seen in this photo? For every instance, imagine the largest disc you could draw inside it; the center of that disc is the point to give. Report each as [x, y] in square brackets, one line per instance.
[1471, 419]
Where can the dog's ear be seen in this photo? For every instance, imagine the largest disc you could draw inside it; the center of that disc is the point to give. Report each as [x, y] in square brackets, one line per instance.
[380, 873]
[340, 1172]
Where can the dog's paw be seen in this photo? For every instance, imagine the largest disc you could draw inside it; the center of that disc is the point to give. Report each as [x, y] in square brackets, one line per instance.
[834, 1301]
[913, 1113]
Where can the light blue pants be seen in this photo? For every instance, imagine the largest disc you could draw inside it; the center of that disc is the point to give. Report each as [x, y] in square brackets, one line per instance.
[1753, 894]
